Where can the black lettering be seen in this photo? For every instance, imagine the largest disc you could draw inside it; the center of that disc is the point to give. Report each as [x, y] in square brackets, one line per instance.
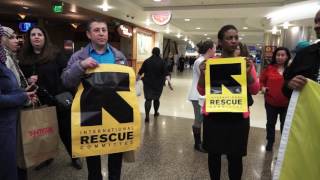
[123, 137]
[104, 138]
[84, 139]
[112, 135]
[94, 139]
[129, 135]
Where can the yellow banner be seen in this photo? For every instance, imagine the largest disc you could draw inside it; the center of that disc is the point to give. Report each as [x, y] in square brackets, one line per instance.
[226, 85]
[105, 112]
[298, 156]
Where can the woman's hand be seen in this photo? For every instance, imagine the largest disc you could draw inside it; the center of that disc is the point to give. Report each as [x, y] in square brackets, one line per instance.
[297, 83]
[33, 79]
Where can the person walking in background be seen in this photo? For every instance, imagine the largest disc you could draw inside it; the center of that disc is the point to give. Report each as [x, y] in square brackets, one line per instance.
[98, 51]
[12, 99]
[43, 64]
[155, 73]
[227, 133]
[271, 82]
[206, 50]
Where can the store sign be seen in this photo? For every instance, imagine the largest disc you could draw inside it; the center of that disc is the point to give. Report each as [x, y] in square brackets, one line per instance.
[161, 18]
[125, 31]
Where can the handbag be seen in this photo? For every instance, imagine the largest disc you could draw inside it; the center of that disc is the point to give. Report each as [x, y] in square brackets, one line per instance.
[64, 100]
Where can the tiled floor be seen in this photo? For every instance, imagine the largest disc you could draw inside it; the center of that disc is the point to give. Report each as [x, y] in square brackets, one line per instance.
[166, 150]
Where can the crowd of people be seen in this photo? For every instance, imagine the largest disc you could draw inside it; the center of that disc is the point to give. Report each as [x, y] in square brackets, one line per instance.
[37, 72]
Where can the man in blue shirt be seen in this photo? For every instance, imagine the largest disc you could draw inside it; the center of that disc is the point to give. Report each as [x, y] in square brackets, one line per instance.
[98, 51]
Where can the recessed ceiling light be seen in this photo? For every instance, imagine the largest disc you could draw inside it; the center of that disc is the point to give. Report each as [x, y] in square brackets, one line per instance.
[198, 28]
[186, 38]
[208, 38]
[205, 34]
[240, 38]
[25, 7]
[157, 0]
[187, 19]
[245, 27]
[105, 7]
[179, 35]
[148, 22]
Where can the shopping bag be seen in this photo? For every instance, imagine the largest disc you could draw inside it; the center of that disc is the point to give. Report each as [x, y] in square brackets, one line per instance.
[38, 136]
[138, 88]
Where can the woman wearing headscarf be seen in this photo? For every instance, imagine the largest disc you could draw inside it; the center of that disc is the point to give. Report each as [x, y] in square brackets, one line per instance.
[12, 98]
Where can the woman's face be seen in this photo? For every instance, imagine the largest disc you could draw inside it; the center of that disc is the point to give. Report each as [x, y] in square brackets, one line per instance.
[281, 57]
[37, 38]
[230, 41]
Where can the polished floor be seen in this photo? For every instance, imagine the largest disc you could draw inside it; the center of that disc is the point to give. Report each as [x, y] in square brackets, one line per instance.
[166, 150]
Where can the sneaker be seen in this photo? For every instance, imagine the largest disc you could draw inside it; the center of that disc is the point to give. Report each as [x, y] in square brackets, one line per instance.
[146, 120]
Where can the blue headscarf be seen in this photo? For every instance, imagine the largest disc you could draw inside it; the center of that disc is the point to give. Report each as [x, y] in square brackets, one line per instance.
[3, 57]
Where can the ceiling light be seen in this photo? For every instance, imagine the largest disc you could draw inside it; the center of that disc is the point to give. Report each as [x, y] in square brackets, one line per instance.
[157, 0]
[105, 6]
[205, 34]
[25, 7]
[73, 8]
[148, 22]
[245, 27]
[208, 38]
[286, 25]
[167, 30]
[274, 30]
[198, 28]
[75, 25]
[186, 38]
[187, 19]
[295, 30]
[240, 38]
[179, 35]
[21, 15]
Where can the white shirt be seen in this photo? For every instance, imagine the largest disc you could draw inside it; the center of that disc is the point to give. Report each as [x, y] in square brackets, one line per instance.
[193, 93]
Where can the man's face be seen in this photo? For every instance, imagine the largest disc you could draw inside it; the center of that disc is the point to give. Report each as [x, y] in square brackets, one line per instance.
[98, 33]
[317, 24]
[12, 43]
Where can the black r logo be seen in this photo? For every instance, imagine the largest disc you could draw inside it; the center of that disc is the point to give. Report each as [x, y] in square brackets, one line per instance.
[221, 75]
[100, 91]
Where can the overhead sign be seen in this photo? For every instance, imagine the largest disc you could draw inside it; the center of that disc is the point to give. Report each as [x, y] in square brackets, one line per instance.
[105, 112]
[161, 17]
[125, 31]
[226, 85]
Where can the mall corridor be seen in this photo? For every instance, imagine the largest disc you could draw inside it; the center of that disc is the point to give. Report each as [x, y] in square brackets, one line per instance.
[166, 151]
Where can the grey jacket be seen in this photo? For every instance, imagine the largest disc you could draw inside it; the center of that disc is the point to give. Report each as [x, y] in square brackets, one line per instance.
[73, 73]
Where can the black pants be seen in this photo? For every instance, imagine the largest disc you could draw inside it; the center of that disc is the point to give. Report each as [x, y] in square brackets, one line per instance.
[272, 116]
[64, 123]
[235, 166]
[114, 167]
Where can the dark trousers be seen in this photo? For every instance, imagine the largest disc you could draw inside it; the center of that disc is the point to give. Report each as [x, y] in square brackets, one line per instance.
[64, 123]
[235, 166]
[114, 167]
[272, 116]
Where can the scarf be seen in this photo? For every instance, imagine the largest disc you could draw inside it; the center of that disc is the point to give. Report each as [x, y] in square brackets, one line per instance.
[3, 57]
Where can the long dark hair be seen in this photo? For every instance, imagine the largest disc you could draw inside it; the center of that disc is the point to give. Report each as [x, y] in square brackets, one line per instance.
[274, 61]
[48, 52]
[225, 29]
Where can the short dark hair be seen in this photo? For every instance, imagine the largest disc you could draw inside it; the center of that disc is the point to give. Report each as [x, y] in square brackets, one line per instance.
[225, 29]
[274, 61]
[156, 51]
[100, 20]
[204, 46]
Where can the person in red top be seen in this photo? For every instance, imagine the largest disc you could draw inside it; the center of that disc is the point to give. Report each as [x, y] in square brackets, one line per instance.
[271, 81]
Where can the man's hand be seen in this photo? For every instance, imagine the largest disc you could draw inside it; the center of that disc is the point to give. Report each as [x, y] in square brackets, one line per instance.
[202, 66]
[297, 83]
[170, 86]
[89, 63]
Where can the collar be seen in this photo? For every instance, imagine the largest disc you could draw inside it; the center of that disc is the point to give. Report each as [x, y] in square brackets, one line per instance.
[91, 50]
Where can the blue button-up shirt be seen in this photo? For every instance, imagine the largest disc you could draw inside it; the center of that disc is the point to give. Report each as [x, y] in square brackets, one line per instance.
[106, 58]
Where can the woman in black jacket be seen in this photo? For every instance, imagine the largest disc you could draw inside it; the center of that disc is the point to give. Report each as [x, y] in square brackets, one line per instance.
[42, 63]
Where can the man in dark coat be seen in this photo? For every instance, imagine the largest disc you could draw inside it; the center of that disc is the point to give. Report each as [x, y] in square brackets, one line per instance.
[305, 65]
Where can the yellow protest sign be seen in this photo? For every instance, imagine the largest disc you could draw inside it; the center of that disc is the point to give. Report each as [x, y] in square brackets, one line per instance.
[105, 112]
[226, 85]
[298, 156]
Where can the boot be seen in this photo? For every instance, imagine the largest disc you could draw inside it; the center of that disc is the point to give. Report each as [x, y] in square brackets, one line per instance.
[197, 139]
[269, 146]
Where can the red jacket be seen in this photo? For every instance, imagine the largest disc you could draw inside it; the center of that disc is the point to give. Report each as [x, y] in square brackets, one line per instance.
[273, 81]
